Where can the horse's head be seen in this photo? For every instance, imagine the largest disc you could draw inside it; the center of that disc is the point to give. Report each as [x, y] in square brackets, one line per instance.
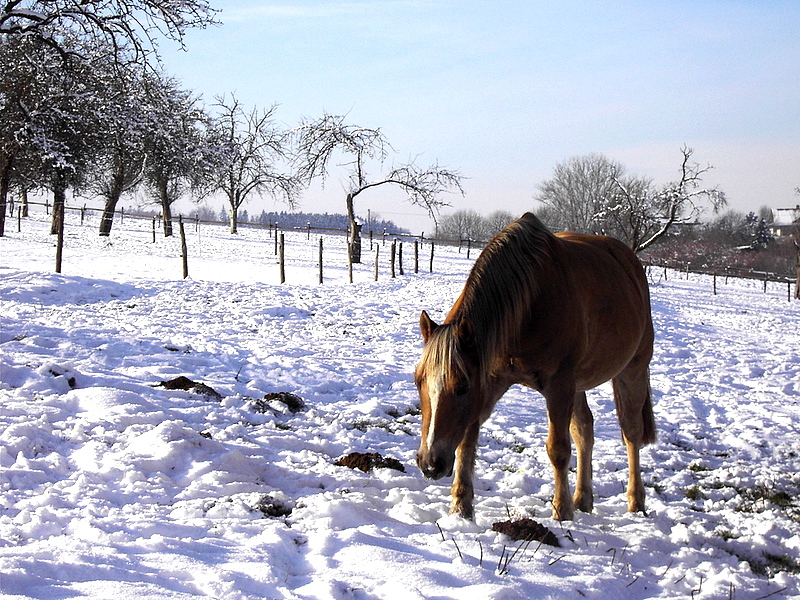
[448, 385]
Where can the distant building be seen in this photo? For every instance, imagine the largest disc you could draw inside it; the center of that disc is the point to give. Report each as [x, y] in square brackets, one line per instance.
[785, 220]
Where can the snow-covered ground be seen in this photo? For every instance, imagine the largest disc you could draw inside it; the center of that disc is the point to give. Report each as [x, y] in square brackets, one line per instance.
[114, 487]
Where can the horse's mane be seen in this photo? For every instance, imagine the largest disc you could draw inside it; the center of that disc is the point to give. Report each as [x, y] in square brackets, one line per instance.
[499, 292]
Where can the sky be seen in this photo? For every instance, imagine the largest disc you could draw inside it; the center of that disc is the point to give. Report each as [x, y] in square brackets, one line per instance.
[503, 91]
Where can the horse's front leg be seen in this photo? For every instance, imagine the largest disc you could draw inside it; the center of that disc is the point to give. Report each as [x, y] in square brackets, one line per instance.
[462, 493]
[582, 430]
[559, 449]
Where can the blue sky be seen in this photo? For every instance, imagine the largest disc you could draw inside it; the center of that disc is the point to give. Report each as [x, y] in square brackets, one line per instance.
[502, 91]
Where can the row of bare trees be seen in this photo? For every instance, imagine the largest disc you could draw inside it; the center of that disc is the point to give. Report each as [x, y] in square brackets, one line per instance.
[593, 194]
[84, 107]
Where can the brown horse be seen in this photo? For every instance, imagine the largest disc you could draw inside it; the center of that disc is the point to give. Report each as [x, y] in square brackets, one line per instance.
[560, 314]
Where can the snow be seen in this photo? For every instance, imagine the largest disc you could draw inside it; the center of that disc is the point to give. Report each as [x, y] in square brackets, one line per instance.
[115, 487]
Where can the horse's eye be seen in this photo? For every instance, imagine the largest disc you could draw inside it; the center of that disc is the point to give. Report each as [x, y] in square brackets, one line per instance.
[462, 388]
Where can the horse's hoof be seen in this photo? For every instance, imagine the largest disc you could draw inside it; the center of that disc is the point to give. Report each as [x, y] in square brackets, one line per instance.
[584, 503]
[564, 514]
[465, 512]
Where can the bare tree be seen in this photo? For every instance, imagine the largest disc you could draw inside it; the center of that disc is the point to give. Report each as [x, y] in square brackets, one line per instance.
[176, 145]
[497, 221]
[574, 196]
[120, 167]
[463, 225]
[249, 145]
[644, 216]
[593, 194]
[319, 139]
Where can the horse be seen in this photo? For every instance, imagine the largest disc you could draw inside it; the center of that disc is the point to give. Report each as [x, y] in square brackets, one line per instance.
[558, 313]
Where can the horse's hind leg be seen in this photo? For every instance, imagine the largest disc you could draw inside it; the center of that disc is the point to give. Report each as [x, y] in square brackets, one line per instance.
[635, 412]
[582, 430]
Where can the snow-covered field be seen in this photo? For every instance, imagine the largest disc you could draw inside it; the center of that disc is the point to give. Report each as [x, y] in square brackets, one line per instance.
[114, 487]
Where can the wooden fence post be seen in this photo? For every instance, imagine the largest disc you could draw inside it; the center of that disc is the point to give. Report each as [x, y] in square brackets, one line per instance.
[400, 258]
[320, 256]
[184, 252]
[469, 246]
[416, 256]
[377, 255]
[154, 230]
[281, 256]
[19, 219]
[392, 255]
[715, 283]
[349, 263]
[276, 241]
[431, 265]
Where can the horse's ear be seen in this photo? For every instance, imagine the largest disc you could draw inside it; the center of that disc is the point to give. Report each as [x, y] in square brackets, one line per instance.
[466, 334]
[426, 326]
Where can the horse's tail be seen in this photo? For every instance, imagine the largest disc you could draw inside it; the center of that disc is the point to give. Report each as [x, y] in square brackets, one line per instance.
[648, 419]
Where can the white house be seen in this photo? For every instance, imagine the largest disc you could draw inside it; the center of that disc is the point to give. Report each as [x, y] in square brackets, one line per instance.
[785, 220]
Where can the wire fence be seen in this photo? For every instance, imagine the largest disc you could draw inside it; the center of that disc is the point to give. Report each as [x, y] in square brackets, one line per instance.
[466, 247]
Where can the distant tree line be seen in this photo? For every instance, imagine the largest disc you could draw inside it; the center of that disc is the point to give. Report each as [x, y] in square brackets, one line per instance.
[470, 225]
[303, 219]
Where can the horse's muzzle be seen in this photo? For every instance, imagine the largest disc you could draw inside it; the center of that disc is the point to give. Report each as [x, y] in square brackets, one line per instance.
[434, 468]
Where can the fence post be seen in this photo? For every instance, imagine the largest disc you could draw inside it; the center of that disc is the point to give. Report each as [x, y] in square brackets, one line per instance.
[392, 255]
[154, 230]
[765, 282]
[308, 230]
[349, 263]
[320, 257]
[121, 215]
[400, 258]
[416, 256]
[276, 240]
[281, 256]
[83, 210]
[184, 253]
[715, 283]
[19, 219]
[377, 254]
[469, 246]
[431, 266]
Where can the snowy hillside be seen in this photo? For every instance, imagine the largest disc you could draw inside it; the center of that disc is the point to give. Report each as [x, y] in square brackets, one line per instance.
[114, 486]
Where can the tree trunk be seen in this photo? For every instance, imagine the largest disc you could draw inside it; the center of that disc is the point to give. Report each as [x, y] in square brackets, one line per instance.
[234, 218]
[5, 180]
[166, 209]
[355, 232]
[59, 202]
[107, 220]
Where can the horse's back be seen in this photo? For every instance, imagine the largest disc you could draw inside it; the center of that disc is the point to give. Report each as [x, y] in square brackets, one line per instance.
[609, 291]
